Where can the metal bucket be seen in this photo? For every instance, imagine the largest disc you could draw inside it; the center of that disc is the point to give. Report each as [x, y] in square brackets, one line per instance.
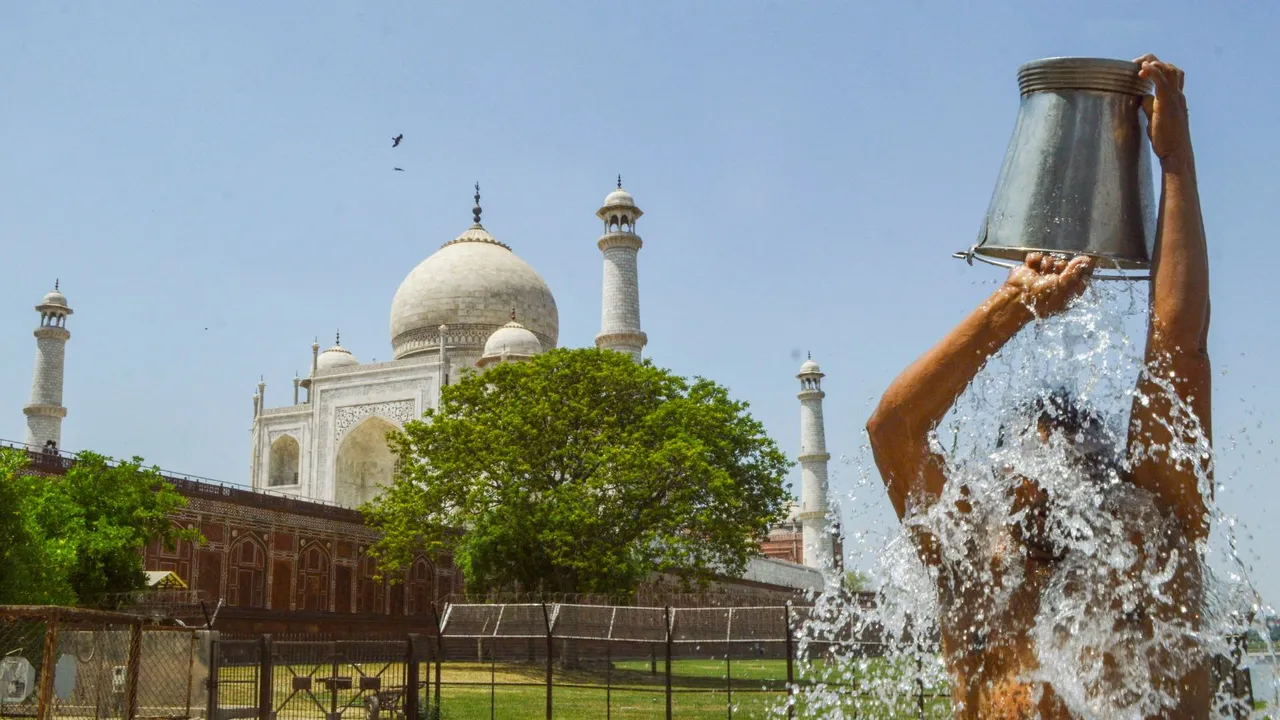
[1076, 178]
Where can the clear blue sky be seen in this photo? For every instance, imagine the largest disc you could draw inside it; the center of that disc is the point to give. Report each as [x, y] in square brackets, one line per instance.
[213, 185]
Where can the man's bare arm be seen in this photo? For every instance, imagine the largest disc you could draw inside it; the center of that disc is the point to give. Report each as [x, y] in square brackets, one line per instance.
[920, 397]
[1177, 355]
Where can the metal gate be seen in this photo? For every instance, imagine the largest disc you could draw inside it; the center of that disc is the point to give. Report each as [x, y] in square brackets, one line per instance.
[310, 678]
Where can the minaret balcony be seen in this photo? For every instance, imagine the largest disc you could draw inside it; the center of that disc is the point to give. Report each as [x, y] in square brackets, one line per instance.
[619, 239]
[622, 339]
[45, 411]
[52, 331]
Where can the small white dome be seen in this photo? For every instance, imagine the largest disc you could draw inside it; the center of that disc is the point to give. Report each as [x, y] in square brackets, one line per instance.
[54, 298]
[512, 339]
[335, 357]
[619, 197]
[810, 366]
[620, 208]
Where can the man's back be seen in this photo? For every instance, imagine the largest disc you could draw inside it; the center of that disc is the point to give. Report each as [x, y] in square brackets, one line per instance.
[1103, 622]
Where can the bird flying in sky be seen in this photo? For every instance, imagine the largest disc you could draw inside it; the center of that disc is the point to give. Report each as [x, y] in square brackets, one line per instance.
[398, 169]
[395, 141]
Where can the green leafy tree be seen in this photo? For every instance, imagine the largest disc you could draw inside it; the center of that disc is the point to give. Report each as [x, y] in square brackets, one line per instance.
[581, 471]
[33, 565]
[78, 538]
[856, 582]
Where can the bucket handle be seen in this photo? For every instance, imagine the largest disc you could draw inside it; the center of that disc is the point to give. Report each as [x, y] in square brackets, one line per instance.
[971, 254]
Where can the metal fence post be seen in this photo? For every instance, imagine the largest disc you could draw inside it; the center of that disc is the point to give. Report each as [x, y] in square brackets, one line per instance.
[411, 679]
[134, 669]
[728, 663]
[333, 681]
[667, 616]
[215, 667]
[546, 618]
[191, 669]
[266, 673]
[920, 687]
[493, 685]
[791, 678]
[439, 655]
[48, 663]
[728, 679]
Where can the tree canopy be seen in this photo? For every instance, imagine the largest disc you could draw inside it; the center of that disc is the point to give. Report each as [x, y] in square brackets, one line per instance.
[581, 471]
[856, 581]
[77, 539]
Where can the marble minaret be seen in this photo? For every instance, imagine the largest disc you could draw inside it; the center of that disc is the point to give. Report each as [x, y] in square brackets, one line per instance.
[45, 411]
[620, 313]
[813, 458]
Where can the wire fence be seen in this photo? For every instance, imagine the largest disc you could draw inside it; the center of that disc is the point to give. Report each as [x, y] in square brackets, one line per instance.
[530, 660]
[517, 660]
[75, 663]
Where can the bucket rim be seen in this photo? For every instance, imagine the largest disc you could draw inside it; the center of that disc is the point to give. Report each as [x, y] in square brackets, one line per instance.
[1080, 61]
[1082, 73]
[1019, 253]
[1109, 267]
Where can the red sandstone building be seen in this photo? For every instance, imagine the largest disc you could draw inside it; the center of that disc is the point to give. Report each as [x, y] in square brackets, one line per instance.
[265, 554]
[286, 565]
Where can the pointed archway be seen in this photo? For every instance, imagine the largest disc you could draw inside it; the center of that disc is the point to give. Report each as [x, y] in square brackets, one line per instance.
[247, 579]
[365, 463]
[283, 466]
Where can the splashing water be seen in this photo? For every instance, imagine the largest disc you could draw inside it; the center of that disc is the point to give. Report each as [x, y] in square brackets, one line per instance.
[1053, 585]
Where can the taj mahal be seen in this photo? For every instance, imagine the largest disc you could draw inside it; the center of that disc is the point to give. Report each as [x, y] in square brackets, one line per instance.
[470, 305]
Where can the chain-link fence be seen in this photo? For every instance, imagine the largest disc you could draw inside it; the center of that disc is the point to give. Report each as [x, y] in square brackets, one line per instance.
[64, 662]
[524, 660]
[534, 660]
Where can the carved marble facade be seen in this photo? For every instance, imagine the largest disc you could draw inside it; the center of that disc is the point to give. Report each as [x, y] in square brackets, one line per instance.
[356, 403]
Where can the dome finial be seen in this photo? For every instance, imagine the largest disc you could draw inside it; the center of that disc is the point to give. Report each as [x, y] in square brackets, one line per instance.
[476, 210]
[619, 181]
[337, 337]
[55, 284]
[809, 354]
[513, 314]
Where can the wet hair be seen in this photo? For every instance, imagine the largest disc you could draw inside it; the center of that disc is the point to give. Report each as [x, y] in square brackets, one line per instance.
[1060, 410]
[1057, 409]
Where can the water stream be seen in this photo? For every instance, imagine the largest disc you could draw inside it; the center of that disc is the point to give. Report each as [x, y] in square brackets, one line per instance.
[1108, 612]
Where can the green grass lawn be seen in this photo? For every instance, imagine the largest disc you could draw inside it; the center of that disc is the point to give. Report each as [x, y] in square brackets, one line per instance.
[700, 689]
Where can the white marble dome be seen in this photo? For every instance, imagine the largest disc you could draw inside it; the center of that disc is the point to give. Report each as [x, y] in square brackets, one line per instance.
[470, 284]
[54, 297]
[619, 197]
[512, 339]
[334, 357]
[809, 367]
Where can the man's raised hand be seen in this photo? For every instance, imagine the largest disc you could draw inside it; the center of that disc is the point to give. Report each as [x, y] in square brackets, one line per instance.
[1046, 283]
[1167, 123]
